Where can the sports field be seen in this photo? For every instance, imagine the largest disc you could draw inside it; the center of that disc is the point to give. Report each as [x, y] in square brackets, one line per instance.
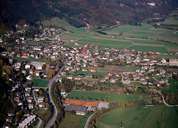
[140, 117]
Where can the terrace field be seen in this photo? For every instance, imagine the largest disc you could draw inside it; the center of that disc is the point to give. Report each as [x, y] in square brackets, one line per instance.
[139, 117]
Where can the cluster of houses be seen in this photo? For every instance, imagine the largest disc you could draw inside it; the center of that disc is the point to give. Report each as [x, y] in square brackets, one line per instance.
[47, 46]
[30, 119]
[26, 99]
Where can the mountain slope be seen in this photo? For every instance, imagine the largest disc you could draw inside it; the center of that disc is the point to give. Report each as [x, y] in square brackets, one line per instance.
[80, 12]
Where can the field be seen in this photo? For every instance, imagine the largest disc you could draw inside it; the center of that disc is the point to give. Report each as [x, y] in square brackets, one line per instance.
[93, 95]
[173, 88]
[40, 83]
[142, 38]
[73, 121]
[140, 117]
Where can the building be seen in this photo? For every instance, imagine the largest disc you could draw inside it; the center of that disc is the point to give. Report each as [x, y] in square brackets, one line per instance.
[38, 65]
[81, 107]
[81, 103]
[27, 121]
[103, 105]
[77, 109]
[173, 62]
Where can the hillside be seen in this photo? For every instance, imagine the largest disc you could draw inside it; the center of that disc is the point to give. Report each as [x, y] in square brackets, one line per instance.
[82, 12]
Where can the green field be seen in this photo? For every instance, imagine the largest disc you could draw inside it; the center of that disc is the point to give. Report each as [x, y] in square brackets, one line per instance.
[40, 83]
[173, 88]
[140, 117]
[73, 121]
[93, 95]
[142, 38]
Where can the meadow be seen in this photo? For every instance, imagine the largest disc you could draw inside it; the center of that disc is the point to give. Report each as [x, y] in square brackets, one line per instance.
[73, 121]
[40, 83]
[139, 117]
[142, 38]
[111, 97]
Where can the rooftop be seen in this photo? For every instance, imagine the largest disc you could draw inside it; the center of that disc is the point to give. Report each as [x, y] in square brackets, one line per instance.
[81, 103]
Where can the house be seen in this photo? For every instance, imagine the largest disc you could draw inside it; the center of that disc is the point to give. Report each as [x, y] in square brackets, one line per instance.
[29, 77]
[24, 55]
[103, 105]
[40, 99]
[64, 94]
[27, 66]
[1, 40]
[17, 66]
[151, 4]
[27, 121]
[30, 106]
[81, 103]
[81, 107]
[38, 65]
[173, 62]
[41, 105]
[80, 110]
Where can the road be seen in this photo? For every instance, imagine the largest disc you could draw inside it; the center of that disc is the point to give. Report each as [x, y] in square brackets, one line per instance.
[164, 101]
[51, 122]
[88, 120]
[39, 123]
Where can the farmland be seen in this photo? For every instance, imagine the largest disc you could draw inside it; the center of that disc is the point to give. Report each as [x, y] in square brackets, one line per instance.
[142, 38]
[73, 121]
[113, 97]
[149, 117]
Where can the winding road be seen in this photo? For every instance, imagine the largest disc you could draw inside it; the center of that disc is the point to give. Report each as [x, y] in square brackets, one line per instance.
[51, 122]
[164, 101]
[88, 120]
[39, 123]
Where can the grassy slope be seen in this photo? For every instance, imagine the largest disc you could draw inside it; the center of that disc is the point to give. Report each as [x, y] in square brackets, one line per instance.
[73, 121]
[153, 117]
[144, 38]
[93, 95]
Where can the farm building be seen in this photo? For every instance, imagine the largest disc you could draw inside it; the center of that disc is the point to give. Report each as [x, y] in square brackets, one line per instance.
[82, 107]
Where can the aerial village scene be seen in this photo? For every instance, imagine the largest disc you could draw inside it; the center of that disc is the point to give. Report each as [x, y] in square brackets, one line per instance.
[58, 76]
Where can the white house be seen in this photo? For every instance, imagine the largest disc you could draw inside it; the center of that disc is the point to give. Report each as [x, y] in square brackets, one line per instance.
[27, 121]
[37, 65]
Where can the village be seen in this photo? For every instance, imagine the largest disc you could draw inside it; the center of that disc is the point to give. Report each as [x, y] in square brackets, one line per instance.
[36, 58]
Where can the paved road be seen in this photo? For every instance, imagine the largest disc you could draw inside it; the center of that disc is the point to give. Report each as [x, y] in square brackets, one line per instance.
[88, 120]
[164, 101]
[51, 122]
[39, 123]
